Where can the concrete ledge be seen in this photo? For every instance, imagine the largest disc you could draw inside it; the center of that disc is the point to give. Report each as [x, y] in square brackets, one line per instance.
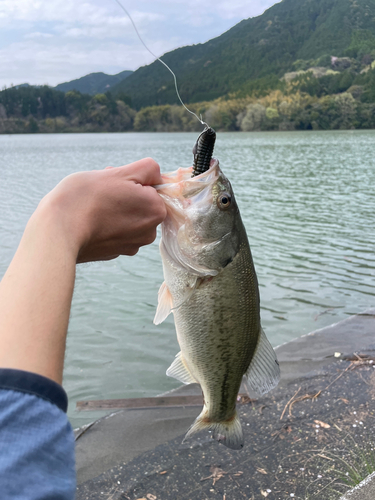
[364, 491]
[119, 451]
[308, 354]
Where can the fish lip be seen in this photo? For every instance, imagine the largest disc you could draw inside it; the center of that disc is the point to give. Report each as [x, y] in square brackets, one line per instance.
[214, 163]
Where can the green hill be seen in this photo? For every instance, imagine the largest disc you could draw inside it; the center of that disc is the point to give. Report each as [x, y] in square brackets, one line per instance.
[94, 83]
[257, 52]
[302, 65]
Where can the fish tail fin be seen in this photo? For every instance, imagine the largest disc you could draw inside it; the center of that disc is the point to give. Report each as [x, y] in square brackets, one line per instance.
[228, 432]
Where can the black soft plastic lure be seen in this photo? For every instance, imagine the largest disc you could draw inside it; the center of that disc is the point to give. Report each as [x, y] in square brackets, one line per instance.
[203, 150]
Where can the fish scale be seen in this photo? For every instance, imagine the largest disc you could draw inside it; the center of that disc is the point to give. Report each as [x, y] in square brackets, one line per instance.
[221, 333]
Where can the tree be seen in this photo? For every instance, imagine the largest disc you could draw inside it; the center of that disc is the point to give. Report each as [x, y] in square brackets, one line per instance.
[346, 105]
[253, 118]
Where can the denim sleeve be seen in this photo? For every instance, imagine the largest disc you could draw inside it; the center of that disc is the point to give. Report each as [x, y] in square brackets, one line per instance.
[36, 439]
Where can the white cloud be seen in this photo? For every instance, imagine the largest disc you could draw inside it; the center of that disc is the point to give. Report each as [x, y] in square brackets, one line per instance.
[201, 12]
[109, 27]
[53, 64]
[71, 12]
[51, 10]
[58, 40]
[238, 8]
[38, 34]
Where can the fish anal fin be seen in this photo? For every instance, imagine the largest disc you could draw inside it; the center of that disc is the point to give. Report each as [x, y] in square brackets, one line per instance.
[263, 373]
[165, 304]
[180, 371]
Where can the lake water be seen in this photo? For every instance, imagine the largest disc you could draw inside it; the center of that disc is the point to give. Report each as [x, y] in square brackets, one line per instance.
[308, 204]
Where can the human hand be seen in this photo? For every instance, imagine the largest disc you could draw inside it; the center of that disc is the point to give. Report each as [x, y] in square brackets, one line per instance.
[107, 213]
[89, 216]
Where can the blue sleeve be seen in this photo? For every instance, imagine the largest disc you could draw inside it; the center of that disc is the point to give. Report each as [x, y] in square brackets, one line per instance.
[36, 439]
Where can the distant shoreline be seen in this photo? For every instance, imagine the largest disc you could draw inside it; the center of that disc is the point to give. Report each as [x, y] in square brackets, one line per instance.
[68, 131]
[277, 111]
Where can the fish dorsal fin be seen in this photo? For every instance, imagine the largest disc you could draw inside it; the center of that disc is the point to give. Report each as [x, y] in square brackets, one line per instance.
[263, 373]
[165, 304]
[180, 371]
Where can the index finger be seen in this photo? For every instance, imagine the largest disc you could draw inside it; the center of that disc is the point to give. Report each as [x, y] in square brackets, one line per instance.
[145, 172]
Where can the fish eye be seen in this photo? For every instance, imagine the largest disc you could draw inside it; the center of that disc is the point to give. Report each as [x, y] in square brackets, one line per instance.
[224, 201]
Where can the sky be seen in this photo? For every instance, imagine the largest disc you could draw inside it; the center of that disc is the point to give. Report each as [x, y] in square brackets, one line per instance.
[55, 41]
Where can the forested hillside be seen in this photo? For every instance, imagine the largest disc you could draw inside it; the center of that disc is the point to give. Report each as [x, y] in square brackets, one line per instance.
[42, 109]
[255, 53]
[302, 65]
[94, 83]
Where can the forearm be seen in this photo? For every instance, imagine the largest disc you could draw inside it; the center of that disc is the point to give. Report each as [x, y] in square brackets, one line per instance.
[89, 216]
[35, 299]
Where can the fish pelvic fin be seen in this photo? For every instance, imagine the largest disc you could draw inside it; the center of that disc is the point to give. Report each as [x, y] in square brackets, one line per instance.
[228, 432]
[180, 371]
[263, 373]
[165, 304]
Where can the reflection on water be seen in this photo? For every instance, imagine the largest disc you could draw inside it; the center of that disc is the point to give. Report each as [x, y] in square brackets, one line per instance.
[308, 205]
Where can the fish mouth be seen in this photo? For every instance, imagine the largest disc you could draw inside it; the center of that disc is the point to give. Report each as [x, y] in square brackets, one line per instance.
[184, 178]
[203, 151]
[180, 190]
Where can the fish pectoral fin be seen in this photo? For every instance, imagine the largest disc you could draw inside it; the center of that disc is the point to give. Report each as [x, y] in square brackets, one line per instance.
[165, 304]
[190, 289]
[263, 373]
[165, 301]
[180, 371]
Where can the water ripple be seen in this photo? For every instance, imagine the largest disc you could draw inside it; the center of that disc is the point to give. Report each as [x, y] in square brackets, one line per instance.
[308, 204]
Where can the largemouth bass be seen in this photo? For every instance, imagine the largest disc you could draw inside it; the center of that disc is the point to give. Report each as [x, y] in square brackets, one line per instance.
[212, 290]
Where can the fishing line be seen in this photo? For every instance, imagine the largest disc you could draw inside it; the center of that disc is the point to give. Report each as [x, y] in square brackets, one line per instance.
[158, 58]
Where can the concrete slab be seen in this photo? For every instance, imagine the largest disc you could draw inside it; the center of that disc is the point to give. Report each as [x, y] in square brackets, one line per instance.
[364, 491]
[129, 445]
[308, 354]
[124, 435]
